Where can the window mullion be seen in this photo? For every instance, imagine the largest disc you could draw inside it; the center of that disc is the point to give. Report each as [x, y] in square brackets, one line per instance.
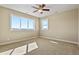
[28, 24]
[20, 23]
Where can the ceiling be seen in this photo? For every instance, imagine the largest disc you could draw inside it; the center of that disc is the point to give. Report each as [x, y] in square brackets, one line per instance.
[54, 8]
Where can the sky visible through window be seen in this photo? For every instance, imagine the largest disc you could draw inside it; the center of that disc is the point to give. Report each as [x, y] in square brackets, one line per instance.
[45, 24]
[22, 23]
[15, 22]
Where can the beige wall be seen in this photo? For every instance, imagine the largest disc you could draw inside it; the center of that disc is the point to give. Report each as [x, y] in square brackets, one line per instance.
[78, 26]
[5, 32]
[62, 26]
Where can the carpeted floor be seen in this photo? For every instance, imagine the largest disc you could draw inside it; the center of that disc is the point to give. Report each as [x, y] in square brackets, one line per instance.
[39, 46]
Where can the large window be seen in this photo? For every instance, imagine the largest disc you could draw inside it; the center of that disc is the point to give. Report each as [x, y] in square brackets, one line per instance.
[22, 23]
[44, 24]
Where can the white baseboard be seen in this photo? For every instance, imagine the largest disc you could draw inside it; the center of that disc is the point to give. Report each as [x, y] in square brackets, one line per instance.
[13, 41]
[59, 40]
[17, 40]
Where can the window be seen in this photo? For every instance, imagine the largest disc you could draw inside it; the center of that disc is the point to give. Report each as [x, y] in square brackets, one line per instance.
[30, 24]
[44, 24]
[15, 22]
[22, 23]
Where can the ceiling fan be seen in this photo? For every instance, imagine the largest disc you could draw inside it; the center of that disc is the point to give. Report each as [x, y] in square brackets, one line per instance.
[40, 8]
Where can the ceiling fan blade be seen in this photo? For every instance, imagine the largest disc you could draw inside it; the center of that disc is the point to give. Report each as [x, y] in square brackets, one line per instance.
[35, 7]
[35, 11]
[46, 9]
[43, 5]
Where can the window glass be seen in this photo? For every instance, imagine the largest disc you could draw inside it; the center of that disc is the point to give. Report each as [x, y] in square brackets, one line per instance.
[15, 22]
[44, 24]
[31, 24]
[22, 23]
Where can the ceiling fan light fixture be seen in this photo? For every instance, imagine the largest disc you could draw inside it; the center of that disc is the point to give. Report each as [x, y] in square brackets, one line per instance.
[40, 10]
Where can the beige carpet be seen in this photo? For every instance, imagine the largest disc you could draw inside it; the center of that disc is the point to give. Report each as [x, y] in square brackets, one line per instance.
[39, 46]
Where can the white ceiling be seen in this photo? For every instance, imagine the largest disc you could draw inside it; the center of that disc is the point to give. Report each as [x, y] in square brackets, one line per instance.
[27, 8]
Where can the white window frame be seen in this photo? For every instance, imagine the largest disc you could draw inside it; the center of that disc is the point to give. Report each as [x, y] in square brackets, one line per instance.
[42, 24]
[16, 29]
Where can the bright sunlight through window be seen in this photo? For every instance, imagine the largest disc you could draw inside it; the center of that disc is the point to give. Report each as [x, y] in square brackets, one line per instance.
[44, 24]
[22, 23]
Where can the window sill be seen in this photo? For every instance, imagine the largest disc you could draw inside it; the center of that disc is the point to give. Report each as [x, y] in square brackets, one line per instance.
[44, 29]
[22, 29]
